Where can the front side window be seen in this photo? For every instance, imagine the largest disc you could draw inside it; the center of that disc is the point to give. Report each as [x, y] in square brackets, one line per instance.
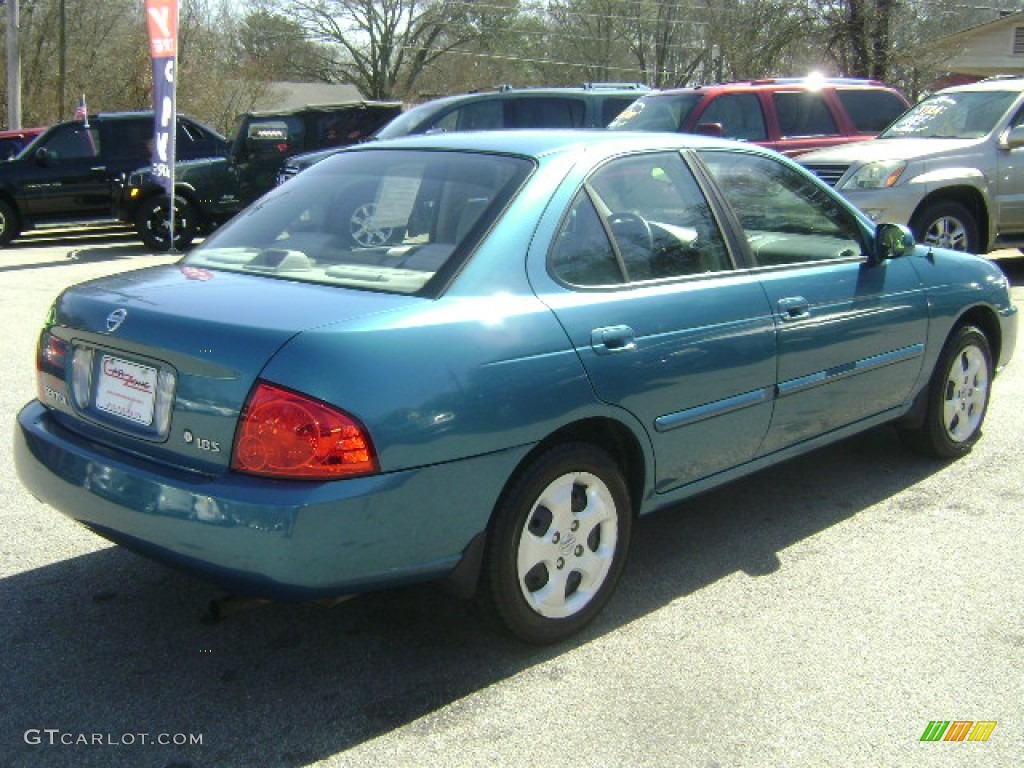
[636, 219]
[73, 142]
[786, 217]
[739, 114]
[383, 220]
[803, 113]
[612, 106]
[657, 112]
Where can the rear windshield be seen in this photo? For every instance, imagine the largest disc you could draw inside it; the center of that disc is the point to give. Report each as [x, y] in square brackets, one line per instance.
[383, 220]
[657, 112]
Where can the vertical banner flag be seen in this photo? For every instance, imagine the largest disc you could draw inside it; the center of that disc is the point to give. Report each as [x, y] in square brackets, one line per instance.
[162, 22]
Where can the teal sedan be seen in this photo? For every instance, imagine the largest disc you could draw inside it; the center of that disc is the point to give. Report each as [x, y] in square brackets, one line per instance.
[480, 357]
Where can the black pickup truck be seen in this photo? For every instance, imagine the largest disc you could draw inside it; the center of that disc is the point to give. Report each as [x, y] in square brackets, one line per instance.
[208, 192]
[74, 171]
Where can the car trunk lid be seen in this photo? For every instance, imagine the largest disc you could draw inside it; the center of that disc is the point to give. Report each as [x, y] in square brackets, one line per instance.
[160, 362]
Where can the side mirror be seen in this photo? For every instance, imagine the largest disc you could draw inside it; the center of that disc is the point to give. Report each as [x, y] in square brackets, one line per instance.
[43, 156]
[892, 241]
[715, 130]
[1013, 138]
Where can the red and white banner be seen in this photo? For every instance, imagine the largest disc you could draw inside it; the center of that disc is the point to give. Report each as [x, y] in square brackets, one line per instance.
[162, 23]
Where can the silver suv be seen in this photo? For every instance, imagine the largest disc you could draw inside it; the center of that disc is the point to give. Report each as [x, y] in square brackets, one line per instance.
[952, 168]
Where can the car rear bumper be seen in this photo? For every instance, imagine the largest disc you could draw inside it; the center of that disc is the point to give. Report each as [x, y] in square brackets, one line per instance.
[264, 538]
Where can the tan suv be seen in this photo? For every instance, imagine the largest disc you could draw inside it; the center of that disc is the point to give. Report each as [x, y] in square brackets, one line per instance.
[789, 115]
[950, 168]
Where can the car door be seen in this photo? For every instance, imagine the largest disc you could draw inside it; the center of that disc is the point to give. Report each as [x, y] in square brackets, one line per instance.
[850, 334]
[664, 326]
[1009, 182]
[67, 178]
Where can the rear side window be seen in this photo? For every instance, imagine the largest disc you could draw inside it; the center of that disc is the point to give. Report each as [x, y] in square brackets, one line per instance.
[128, 138]
[803, 113]
[870, 111]
[544, 113]
[191, 137]
[739, 114]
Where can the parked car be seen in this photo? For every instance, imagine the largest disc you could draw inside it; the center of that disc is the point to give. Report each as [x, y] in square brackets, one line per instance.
[950, 168]
[554, 333]
[14, 140]
[591, 106]
[789, 115]
[210, 191]
[73, 173]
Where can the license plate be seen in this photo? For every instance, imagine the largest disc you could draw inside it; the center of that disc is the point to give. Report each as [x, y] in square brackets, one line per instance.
[126, 389]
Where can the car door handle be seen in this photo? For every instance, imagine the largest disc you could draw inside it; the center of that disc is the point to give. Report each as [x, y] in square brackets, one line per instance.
[614, 338]
[794, 308]
[98, 168]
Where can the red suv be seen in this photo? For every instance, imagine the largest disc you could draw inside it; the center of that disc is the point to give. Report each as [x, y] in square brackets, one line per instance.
[790, 115]
[16, 139]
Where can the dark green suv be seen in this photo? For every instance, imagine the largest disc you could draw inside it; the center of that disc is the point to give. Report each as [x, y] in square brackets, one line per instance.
[73, 172]
[592, 105]
[210, 191]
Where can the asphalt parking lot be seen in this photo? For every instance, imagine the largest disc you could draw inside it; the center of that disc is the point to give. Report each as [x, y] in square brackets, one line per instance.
[821, 613]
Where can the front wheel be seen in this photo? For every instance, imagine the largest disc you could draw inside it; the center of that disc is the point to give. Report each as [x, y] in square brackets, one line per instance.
[557, 544]
[153, 226]
[957, 397]
[9, 225]
[947, 224]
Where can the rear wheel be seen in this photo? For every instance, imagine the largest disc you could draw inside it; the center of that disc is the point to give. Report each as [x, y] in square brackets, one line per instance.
[9, 223]
[957, 397]
[947, 224]
[152, 223]
[558, 544]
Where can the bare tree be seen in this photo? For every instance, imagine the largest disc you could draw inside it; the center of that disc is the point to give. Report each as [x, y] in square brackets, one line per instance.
[383, 45]
[759, 38]
[858, 35]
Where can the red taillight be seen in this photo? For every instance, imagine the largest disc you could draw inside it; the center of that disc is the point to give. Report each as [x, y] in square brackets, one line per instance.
[52, 354]
[285, 434]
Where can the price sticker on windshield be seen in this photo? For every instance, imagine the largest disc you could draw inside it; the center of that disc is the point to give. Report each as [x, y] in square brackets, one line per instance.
[127, 390]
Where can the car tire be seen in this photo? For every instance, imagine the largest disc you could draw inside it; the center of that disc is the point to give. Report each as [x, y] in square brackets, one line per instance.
[557, 544]
[10, 225]
[151, 223]
[956, 398]
[947, 224]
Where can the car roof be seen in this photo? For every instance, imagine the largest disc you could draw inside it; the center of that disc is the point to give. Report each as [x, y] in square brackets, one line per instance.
[780, 83]
[542, 142]
[11, 132]
[1002, 83]
[596, 90]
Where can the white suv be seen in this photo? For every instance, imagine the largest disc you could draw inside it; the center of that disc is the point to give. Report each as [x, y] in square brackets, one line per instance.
[952, 168]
